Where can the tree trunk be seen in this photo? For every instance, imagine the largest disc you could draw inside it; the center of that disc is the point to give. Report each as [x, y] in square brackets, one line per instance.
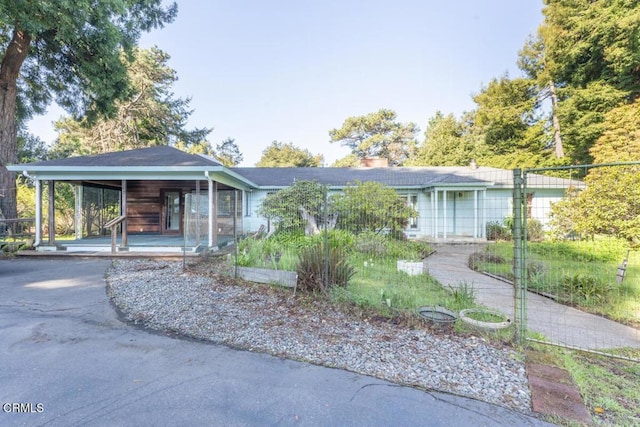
[311, 228]
[557, 139]
[9, 71]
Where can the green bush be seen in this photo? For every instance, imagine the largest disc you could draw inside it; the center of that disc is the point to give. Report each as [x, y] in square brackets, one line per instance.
[311, 269]
[342, 239]
[476, 259]
[292, 238]
[535, 270]
[410, 249]
[535, 232]
[371, 243]
[497, 231]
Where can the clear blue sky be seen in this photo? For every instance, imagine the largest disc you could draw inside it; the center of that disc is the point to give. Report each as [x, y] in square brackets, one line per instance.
[290, 71]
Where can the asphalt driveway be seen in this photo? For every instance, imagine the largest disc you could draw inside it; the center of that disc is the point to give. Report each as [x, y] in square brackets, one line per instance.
[66, 359]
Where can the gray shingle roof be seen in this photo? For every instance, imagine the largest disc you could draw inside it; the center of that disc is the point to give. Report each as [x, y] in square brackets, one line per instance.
[422, 177]
[340, 177]
[161, 155]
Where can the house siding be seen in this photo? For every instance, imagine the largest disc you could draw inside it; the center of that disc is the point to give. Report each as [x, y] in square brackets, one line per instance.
[493, 205]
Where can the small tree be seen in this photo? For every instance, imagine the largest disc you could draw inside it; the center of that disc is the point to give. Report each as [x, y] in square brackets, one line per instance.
[295, 208]
[371, 206]
[610, 203]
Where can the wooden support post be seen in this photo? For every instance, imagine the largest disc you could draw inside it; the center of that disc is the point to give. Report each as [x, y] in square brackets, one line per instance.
[125, 242]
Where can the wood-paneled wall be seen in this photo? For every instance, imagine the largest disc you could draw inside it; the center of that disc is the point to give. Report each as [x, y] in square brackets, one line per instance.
[144, 203]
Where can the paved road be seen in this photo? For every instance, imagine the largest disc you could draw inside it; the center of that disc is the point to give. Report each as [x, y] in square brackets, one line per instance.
[557, 322]
[68, 359]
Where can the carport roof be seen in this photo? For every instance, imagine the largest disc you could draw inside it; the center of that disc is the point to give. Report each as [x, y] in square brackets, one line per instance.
[161, 155]
[152, 163]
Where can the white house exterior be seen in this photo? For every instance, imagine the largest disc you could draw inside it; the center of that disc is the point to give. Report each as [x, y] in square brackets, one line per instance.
[164, 191]
[452, 202]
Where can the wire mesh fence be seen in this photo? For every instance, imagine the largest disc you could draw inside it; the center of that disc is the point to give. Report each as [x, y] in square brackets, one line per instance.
[97, 206]
[407, 235]
[534, 250]
[579, 269]
[224, 226]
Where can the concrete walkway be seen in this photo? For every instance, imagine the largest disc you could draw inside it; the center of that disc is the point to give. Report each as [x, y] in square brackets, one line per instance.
[558, 323]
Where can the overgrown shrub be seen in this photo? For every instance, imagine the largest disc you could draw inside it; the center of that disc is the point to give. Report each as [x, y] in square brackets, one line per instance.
[371, 243]
[312, 276]
[410, 249]
[535, 270]
[497, 231]
[371, 206]
[292, 238]
[477, 258]
[535, 231]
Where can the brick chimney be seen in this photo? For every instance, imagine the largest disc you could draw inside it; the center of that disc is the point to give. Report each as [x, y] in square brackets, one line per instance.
[374, 162]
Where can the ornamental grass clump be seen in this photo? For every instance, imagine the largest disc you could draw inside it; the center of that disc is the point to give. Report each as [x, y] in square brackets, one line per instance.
[315, 275]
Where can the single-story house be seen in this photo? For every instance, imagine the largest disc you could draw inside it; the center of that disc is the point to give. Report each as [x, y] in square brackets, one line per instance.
[163, 193]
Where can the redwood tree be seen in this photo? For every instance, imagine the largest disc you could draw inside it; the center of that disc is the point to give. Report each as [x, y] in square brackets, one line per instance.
[66, 50]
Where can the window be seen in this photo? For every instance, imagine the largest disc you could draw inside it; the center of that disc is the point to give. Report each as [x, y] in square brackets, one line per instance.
[411, 200]
[224, 203]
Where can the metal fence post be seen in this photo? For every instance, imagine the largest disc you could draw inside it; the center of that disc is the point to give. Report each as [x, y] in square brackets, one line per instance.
[520, 310]
[325, 209]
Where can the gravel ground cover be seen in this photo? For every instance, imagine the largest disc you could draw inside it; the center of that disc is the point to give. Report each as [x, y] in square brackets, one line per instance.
[202, 303]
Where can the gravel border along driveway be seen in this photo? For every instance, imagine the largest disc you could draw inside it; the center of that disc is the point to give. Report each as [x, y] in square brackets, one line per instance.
[209, 306]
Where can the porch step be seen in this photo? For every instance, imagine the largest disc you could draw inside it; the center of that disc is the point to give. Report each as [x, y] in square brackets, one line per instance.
[86, 248]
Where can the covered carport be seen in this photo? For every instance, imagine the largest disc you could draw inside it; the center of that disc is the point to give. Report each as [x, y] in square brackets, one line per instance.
[160, 193]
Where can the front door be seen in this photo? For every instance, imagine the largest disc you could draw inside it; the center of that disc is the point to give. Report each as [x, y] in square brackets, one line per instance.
[171, 212]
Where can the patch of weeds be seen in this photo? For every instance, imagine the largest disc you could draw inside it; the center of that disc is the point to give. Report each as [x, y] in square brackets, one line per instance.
[503, 336]
[462, 296]
[608, 386]
[583, 290]
[487, 316]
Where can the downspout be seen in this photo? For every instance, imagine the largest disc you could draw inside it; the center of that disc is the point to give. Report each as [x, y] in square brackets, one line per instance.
[210, 228]
[38, 237]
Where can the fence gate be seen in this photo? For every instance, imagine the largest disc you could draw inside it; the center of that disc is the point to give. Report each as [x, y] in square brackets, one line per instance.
[576, 270]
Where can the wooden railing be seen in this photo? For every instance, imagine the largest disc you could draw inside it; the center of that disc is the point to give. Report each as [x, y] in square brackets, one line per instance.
[17, 229]
[113, 225]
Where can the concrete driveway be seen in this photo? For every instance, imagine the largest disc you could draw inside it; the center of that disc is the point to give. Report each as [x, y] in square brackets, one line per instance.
[66, 359]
